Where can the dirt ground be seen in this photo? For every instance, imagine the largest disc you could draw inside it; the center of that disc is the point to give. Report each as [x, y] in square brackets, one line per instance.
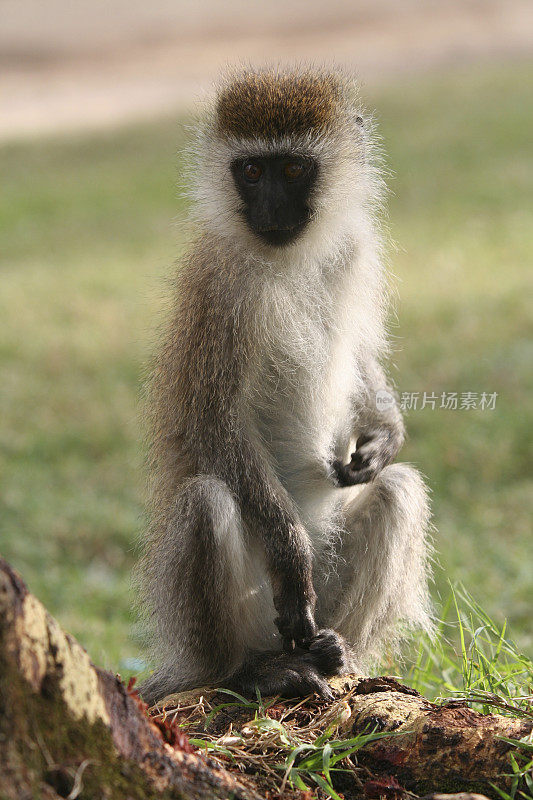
[78, 64]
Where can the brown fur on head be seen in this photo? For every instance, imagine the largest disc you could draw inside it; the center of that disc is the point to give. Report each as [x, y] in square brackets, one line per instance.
[272, 104]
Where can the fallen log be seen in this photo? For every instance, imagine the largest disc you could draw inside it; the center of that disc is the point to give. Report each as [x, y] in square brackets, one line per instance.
[70, 729]
[446, 747]
[432, 748]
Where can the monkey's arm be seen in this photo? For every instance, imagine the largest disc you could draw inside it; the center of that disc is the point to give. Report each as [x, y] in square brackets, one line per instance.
[379, 428]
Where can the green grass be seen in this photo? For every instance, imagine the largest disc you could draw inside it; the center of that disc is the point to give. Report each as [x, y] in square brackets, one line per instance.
[485, 668]
[86, 237]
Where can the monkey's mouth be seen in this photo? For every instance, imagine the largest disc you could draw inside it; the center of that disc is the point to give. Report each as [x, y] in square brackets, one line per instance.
[278, 236]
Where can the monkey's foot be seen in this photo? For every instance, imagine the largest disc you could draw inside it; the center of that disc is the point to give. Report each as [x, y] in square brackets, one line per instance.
[280, 674]
[296, 674]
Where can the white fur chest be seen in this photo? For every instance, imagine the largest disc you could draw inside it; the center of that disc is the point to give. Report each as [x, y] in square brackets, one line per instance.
[302, 384]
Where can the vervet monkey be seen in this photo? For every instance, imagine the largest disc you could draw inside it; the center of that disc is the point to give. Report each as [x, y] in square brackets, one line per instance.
[279, 551]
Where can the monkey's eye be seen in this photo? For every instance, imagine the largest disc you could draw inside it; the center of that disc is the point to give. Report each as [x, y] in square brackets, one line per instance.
[293, 170]
[252, 171]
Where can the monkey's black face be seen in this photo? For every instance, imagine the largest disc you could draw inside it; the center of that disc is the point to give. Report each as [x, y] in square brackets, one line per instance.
[275, 192]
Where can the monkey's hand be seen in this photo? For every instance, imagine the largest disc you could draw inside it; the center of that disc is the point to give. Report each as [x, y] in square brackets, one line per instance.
[296, 618]
[374, 450]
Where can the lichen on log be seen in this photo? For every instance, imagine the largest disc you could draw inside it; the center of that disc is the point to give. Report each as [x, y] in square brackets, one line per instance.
[68, 728]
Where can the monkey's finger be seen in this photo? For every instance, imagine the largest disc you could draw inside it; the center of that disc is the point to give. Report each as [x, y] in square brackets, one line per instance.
[365, 438]
[341, 474]
[360, 459]
[284, 629]
[327, 694]
[322, 689]
[306, 637]
[288, 645]
[346, 476]
[309, 681]
[364, 475]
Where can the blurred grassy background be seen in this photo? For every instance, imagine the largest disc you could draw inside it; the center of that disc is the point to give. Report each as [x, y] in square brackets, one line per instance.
[85, 227]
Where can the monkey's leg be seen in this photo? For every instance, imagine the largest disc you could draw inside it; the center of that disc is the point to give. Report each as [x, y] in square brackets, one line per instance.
[213, 608]
[383, 569]
[196, 579]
